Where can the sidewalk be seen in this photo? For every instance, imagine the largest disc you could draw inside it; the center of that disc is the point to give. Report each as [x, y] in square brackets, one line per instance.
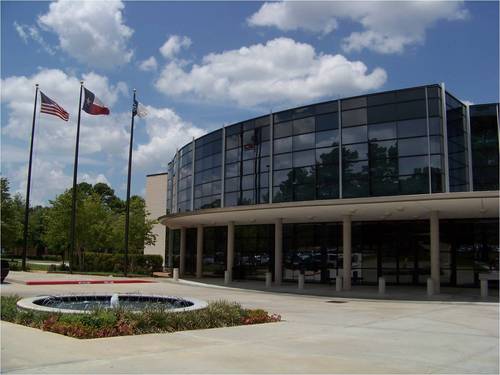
[315, 336]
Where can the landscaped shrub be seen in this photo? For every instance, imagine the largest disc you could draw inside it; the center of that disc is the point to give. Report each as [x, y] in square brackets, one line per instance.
[120, 322]
[138, 263]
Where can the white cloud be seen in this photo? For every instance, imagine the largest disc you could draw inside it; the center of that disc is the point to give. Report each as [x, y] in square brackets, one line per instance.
[93, 32]
[103, 139]
[280, 71]
[173, 46]
[32, 32]
[166, 132]
[148, 64]
[388, 27]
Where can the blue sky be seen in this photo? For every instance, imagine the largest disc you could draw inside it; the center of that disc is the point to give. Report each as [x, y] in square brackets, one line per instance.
[197, 66]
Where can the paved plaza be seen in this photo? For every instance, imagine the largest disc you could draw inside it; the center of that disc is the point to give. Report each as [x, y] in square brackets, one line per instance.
[321, 332]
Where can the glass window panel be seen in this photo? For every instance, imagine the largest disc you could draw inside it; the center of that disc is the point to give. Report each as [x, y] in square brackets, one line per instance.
[304, 158]
[436, 163]
[354, 135]
[383, 113]
[282, 176]
[434, 107]
[411, 110]
[233, 155]
[282, 145]
[305, 125]
[304, 192]
[384, 186]
[304, 175]
[233, 129]
[304, 141]
[283, 130]
[327, 174]
[412, 128]
[436, 144]
[249, 167]
[327, 138]
[264, 149]
[283, 193]
[231, 199]
[353, 103]
[416, 184]
[383, 149]
[264, 180]
[263, 164]
[435, 125]
[247, 197]
[248, 125]
[355, 152]
[265, 133]
[248, 182]
[232, 184]
[384, 98]
[410, 94]
[327, 122]
[434, 92]
[382, 131]
[327, 191]
[282, 161]
[326, 107]
[283, 116]
[303, 112]
[412, 146]
[264, 196]
[232, 170]
[249, 138]
[384, 167]
[354, 117]
[328, 155]
[354, 168]
[413, 165]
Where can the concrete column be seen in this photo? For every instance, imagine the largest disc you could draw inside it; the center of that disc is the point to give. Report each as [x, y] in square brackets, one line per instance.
[484, 288]
[278, 251]
[199, 251]
[269, 278]
[435, 270]
[176, 274]
[170, 256]
[301, 281]
[346, 245]
[182, 253]
[230, 250]
[381, 285]
[338, 284]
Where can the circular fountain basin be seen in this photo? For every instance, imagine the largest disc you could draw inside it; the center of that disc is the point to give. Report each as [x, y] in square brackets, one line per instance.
[85, 304]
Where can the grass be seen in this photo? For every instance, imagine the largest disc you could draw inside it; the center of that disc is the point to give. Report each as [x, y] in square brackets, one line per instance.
[120, 322]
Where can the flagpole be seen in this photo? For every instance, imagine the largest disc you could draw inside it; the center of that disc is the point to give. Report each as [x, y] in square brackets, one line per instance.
[127, 210]
[75, 172]
[28, 185]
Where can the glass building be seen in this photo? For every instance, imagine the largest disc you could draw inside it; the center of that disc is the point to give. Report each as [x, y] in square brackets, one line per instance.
[403, 183]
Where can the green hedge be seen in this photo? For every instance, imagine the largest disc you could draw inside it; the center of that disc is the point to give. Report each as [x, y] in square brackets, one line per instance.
[104, 262]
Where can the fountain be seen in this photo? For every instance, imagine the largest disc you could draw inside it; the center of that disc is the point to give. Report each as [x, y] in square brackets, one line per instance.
[86, 303]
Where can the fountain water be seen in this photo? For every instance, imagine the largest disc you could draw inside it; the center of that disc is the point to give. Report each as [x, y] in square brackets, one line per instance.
[114, 301]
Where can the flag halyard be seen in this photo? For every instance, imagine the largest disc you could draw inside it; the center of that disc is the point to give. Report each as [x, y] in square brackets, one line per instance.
[50, 107]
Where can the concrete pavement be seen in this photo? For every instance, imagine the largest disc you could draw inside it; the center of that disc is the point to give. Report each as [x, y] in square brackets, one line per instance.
[316, 336]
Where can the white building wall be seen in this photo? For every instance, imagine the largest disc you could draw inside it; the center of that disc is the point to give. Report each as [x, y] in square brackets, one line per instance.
[156, 205]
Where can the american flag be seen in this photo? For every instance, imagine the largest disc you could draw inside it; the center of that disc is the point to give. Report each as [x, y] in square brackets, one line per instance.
[52, 108]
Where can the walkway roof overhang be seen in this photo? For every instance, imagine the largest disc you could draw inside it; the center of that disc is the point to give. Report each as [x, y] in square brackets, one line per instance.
[484, 204]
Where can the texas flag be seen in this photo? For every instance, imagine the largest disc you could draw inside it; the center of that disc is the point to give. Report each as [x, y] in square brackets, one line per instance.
[92, 105]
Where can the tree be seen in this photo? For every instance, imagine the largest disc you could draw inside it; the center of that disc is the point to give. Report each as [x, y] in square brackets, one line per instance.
[12, 218]
[140, 228]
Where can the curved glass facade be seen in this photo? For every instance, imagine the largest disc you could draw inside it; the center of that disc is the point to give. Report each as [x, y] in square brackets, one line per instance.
[411, 141]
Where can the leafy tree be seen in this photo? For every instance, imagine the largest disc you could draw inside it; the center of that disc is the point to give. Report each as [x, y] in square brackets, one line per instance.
[140, 228]
[12, 218]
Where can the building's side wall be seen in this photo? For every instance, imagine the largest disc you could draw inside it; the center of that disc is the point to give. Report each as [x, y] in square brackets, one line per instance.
[156, 205]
